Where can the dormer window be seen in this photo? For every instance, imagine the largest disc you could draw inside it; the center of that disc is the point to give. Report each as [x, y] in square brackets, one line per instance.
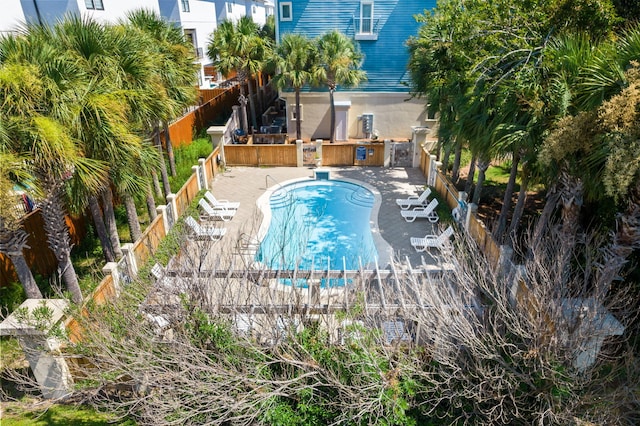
[366, 17]
[365, 24]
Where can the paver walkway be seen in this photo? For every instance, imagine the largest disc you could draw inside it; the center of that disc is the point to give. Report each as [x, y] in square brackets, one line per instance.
[247, 184]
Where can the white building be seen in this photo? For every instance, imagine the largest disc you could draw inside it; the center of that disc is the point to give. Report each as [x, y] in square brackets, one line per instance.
[233, 10]
[198, 20]
[196, 17]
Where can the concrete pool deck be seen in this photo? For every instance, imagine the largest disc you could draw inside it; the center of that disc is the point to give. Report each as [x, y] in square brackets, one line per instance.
[247, 184]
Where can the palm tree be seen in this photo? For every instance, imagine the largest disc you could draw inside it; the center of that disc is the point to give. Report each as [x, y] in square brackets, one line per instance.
[337, 64]
[239, 47]
[39, 99]
[293, 59]
[175, 66]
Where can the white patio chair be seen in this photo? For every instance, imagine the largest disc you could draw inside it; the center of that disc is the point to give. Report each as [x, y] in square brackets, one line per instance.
[221, 204]
[427, 212]
[215, 214]
[414, 200]
[432, 241]
[202, 233]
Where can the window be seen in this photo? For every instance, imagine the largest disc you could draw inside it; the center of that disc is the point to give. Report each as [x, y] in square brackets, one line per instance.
[293, 112]
[253, 9]
[229, 8]
[185, 5]
[286, 14]
[94, 4]
[366, 17]
[190, 36]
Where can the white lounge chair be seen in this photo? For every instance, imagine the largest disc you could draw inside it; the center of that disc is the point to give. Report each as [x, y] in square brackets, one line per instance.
[427, 212]
[414, 200]
[432, 241]
[202, 233]
[215, 214]
[221, 204]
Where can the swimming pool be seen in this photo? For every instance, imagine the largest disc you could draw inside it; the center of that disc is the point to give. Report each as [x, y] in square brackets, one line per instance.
[319, 224]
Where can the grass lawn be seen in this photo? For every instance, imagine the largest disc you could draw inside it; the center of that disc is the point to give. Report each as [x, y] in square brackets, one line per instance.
[30, 412]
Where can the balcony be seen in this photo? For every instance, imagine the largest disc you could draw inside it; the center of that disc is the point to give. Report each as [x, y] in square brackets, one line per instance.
[365, 28]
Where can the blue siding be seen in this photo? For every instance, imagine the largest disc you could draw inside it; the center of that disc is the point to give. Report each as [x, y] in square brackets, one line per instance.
[385, 59]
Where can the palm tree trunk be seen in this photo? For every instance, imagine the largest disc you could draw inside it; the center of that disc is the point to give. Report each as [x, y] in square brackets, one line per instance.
[167, 141]
[332, 130]
[298, 123]
[445, 158]
[58, 238]
[519, 208]
[162, 164]
[625, 240]
[471, 175]
[483, 165]
[542, 225]
[242, 99]
[151, 205]
[132, 217]
[156, 183]
[508, 195]
[571, 191]
[455, 171]
[110, 221]
[12, 244]
[101, 229]
[252, 105]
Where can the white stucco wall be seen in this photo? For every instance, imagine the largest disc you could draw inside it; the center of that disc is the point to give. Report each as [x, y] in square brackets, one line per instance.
[394, 115]
[201, 18]
[115, 10]
[11, 16]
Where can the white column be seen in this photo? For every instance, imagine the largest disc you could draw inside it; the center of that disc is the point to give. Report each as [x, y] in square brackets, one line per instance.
[196, 170]
[41, 347]
[299, 153]
[204, 171]
[387, 153]
[217, 138]
[127, 250]
[111, 268]
[162, 211]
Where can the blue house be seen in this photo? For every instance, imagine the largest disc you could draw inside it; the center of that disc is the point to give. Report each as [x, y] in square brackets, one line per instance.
[379, 106]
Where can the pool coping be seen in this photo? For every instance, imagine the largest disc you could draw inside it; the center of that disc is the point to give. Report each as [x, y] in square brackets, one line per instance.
[383, 248]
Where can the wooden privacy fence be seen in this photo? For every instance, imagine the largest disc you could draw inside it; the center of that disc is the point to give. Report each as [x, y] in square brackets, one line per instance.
[474, 226]
[217, 108]
[39, 256]
[352, 154]
[261, 155]
[336, 154]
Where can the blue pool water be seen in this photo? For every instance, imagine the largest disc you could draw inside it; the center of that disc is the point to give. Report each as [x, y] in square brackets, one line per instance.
[318, 223]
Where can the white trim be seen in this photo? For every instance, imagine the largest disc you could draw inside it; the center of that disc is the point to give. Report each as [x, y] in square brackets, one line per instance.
[282, 8]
